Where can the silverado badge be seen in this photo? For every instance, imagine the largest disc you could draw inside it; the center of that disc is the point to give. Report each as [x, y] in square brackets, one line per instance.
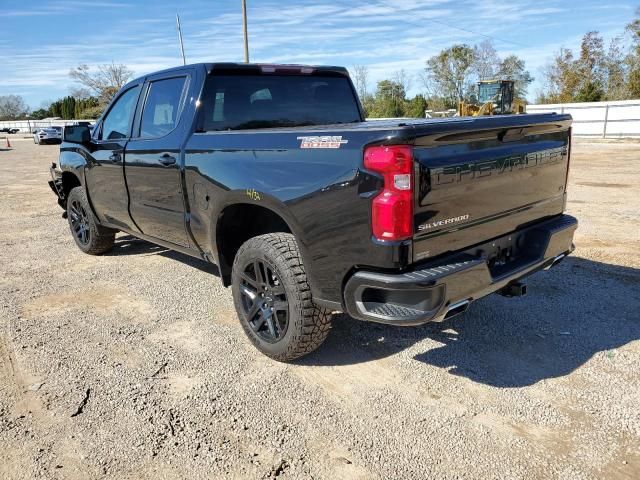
[322, 142]
[443, 223]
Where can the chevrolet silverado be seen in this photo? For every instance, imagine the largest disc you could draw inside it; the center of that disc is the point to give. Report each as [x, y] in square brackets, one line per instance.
[272, 173]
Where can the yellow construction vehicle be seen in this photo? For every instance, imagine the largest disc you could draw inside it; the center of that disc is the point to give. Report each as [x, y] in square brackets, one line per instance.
[495, 97]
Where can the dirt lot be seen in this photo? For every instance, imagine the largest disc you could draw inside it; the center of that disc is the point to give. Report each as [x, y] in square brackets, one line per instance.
[132, 365]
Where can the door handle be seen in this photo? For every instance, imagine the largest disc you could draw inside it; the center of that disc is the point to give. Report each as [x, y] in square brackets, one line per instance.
[115, 157]
[167, 159]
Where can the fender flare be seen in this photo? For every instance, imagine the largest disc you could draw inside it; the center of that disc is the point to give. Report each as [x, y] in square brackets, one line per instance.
[266, 201]
[72, 160]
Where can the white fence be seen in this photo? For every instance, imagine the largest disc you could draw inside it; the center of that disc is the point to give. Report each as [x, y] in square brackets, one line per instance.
[599, 119]
[28, 126]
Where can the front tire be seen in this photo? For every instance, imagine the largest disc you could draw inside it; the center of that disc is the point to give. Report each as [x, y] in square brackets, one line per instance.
[273, 299]
[90, 237]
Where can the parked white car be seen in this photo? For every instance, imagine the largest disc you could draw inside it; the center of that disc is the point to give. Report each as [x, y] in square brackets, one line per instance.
[47, 135]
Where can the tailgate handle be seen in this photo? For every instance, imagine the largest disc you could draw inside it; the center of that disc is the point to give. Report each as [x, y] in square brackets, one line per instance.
[512, 135]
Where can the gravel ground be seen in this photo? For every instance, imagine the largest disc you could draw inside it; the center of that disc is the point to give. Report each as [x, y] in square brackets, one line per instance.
[133, 365]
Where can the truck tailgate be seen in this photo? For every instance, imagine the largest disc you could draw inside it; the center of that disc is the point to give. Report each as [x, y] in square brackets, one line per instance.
[487, 178]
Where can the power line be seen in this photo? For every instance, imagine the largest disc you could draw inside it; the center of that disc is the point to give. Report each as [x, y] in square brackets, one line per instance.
[440, 22]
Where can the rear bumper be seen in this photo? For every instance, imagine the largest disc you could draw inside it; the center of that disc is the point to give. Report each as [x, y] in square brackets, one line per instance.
[436, 291]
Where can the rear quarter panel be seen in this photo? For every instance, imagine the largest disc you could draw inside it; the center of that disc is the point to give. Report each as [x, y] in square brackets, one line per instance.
[322, 193]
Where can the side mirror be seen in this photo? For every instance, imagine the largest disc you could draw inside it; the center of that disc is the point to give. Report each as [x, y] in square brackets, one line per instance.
[76, 134]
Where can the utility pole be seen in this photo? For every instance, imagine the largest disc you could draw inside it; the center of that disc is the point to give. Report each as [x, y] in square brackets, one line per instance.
[244, 30]
[184, 61]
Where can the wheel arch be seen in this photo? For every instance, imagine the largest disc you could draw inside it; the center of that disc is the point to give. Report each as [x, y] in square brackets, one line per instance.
[238, 221]
[73, 163]
[70, 180]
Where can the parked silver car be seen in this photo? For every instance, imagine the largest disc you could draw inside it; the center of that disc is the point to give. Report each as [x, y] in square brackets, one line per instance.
[47, 135]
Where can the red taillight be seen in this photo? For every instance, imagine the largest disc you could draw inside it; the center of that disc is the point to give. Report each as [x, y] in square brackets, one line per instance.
[392, 208]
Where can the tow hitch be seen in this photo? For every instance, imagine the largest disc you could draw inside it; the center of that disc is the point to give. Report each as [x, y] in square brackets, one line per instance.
[515, 289]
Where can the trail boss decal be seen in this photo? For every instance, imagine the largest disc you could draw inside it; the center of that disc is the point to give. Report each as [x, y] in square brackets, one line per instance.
[322, 142]
[442, 223]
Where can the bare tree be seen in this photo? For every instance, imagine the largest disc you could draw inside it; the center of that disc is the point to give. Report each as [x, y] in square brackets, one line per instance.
[80, 93]
[615, 71]
[103, 81]
[360, 79]
[430, 88]
[12, 107]
[486, 60]
[402, 78]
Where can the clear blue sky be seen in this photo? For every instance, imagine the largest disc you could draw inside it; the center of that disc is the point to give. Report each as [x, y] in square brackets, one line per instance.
[41, 41]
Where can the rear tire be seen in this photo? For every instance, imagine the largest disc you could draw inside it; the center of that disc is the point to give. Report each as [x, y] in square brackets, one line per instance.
[90, 237]
[273, 300]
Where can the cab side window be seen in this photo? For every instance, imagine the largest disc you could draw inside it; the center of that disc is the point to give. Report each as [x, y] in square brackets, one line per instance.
[162, 108]
[117, 122]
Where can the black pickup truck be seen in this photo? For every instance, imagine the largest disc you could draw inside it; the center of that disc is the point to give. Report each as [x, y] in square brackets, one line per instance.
[271, 173]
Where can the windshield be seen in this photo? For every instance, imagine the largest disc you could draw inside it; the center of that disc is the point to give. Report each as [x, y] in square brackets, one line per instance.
[234, 102]
[488, 92]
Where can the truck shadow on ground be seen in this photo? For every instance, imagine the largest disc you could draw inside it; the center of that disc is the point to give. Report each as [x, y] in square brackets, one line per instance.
[130, 245]
[575, 311]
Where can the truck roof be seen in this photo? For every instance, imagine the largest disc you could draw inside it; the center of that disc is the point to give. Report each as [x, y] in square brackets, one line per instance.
[253, 67]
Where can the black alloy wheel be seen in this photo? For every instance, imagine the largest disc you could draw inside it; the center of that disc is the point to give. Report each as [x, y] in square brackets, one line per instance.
[272, 297]
[80, 222]
[264, 300]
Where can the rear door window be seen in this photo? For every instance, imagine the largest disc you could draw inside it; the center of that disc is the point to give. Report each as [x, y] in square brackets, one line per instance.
[162, 108]
[236, 102]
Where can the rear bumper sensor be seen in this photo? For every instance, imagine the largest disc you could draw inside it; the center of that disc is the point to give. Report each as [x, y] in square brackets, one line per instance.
[442, 289]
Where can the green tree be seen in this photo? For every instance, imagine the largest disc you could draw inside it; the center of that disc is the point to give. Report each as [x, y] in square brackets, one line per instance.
[437, 104]
[416, 107]
[68, 108]
[597, 73]
[450, 73]
[591, 67]
[56, 108]
[513, 68]
[562, 79]
[590, 91]
[91, 112]
[84, 104]
[615, 72]
[389, 100]
[39, 114]
[632, 59]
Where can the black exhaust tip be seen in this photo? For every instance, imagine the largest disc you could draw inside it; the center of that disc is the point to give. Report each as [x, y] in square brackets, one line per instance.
[515, 289]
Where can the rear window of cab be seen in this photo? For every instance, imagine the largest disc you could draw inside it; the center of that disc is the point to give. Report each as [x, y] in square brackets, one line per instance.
[236, 102]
